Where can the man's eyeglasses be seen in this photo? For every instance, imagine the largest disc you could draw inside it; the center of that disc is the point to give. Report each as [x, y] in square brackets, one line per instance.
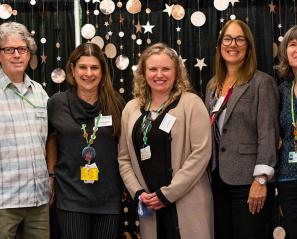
[11, 50]
[239, 40]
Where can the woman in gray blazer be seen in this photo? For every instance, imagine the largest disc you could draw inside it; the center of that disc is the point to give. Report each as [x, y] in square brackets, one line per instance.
[243, 106]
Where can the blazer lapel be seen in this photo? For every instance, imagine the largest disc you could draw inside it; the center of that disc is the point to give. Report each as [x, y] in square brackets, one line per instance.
[236, 94]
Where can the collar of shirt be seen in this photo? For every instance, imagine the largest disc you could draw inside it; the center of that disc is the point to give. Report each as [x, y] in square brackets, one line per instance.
[5, 81]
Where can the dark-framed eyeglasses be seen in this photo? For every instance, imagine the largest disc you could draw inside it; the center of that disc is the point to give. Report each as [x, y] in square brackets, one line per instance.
[11, 50]
[239, 40]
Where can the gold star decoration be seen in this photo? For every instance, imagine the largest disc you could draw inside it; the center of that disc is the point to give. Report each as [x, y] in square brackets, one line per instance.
[121, 19]
[138, 27]
[43, 58]
[200, 63]
[272, 7]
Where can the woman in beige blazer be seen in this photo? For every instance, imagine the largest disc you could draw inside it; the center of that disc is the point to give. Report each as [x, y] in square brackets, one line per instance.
[164, 150]
[243, 105]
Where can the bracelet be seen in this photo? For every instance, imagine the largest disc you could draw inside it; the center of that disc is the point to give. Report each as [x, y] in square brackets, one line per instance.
[51, 175]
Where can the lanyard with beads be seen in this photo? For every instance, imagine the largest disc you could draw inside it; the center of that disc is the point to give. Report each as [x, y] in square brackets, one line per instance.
[89, 152]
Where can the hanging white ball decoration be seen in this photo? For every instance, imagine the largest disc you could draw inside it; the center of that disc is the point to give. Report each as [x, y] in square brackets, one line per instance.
[221, 5]
[232, 17]
[88, 31]
[43, 40]
[198, 19]
[96, 12]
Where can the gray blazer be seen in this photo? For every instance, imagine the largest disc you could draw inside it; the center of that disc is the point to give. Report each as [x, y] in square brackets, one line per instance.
[250, 130]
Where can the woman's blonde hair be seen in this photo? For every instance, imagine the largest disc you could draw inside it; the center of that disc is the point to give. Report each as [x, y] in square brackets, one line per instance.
[142, 91]
[283, 68]
[248, 67]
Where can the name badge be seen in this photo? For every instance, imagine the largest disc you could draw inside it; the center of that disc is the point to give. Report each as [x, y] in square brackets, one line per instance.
[145, 153]
[105, 121]
[167, 123]
[218, 104]
[41, 113]
[292, 157]
[89, 173]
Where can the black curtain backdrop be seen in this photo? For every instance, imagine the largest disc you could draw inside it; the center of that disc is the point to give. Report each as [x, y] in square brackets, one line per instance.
[55, 26]
[54, 20]
[197, 42]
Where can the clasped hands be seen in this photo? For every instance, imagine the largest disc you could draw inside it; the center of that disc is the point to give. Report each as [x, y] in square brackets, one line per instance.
[151, 200]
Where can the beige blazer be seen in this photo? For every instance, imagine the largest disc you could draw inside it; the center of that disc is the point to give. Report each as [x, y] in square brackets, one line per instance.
[191, 151]
[250, 129]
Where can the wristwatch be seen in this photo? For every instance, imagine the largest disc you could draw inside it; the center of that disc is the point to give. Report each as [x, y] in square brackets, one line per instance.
[261, 180]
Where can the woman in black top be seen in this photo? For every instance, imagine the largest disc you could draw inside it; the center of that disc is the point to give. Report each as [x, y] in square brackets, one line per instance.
[82, 148]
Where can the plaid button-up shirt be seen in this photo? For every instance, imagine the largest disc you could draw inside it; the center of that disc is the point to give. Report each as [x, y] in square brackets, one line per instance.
[23, 132]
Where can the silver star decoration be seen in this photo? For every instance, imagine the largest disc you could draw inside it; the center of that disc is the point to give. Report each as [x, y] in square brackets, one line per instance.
[44, 84]
[178, 29]
[109, 33]
[58, 58]
[148, 27]
[106, 24]
[233, 1]
[168, 9]
[121, 47]
[182, 59]
[222, 20]
[200, 63]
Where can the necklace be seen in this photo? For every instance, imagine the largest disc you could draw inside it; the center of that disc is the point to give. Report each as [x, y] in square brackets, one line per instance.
[88, 152]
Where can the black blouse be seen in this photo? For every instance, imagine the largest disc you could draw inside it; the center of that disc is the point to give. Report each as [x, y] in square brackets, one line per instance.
[157, 170]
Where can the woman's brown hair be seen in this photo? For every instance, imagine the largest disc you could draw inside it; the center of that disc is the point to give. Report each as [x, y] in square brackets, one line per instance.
[111, 102]
[283, 68]
[248, 67]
